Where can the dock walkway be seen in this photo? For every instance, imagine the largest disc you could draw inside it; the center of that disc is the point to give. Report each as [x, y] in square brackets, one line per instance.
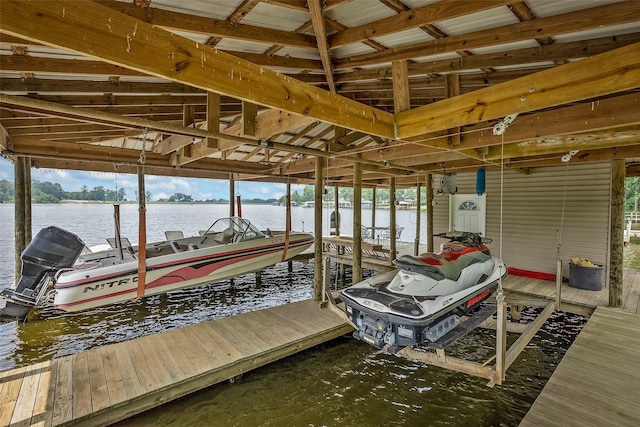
[114, 382]
[597, 383]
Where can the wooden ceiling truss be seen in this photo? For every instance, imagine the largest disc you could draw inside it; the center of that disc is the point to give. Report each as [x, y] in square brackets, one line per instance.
[405, 93]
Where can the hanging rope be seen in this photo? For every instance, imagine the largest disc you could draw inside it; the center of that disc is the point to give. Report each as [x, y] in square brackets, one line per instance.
[565, 159]
[500, 293]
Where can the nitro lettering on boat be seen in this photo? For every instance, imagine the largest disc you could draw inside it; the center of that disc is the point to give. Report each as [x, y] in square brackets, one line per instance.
[109, 284]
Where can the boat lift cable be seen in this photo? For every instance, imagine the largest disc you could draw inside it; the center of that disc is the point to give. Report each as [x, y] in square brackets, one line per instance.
[565, 159]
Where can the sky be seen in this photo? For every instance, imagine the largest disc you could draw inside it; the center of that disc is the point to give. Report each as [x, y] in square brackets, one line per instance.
[161, 187]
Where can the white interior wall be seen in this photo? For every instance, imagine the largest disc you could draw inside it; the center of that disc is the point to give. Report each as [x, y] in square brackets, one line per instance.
[532, 214]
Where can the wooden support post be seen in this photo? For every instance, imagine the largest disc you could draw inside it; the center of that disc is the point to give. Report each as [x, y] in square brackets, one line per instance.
[373, 210]
[524, 339]
[290, 266]
[326, 280]
[516, 312]
[317, 228]
[142, 234]
[501, 341]
[357, 223]
[336, 209]
[416, 246]
[392, 218]
[616, 233]
[429, 191]
[19, 213]
[27, 205]
[558, 284]
[232, 195]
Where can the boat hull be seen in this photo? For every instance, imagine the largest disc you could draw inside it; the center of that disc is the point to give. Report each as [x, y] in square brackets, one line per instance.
[94, 287]
[385, 317]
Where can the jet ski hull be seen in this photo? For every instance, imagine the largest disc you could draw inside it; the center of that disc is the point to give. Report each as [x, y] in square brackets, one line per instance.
[386, 315]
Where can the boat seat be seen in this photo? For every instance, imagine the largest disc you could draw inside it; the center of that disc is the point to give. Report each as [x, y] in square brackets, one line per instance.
[113, 243]
[176, 246]
[173, 234]
[225, 236]
[193, 247]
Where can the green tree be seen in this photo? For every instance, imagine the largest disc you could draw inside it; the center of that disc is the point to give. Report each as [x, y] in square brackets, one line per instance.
[295, 197]
[6, 191]
[98, 193]
[182, 198]
[632, 193]
[307, 193]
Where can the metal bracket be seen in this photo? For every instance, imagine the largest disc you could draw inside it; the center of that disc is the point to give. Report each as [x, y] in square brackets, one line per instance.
[500, 127]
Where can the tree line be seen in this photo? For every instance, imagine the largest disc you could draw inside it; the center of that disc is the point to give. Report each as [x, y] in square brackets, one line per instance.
[49, 192]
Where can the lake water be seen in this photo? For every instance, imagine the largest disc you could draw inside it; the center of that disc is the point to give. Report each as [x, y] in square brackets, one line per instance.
[341, 383]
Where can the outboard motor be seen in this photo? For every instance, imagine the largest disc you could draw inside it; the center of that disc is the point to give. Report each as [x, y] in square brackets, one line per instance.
[52, 249]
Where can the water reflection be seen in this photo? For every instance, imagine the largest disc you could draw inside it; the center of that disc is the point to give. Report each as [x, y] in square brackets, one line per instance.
[51, 333]
[348, 383]
[344, 382]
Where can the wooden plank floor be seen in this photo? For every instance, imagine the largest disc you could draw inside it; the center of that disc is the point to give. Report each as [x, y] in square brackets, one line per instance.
[111, 383]
[597, 383]
[547, 289]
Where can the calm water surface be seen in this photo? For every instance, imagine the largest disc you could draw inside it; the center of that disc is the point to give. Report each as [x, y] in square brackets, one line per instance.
[341, 383]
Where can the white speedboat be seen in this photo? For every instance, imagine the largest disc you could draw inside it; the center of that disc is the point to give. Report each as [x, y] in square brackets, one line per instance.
[83, 279]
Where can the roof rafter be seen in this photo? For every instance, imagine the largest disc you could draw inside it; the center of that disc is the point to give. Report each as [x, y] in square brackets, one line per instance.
[182, 60]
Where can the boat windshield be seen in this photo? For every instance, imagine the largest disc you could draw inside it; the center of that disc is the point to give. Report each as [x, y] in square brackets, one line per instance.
[242, 228]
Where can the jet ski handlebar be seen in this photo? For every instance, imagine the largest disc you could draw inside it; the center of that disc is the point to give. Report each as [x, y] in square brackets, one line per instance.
[464, 237]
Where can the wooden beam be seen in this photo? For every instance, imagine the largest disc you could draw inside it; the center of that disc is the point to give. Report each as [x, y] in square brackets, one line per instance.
[202, 25]
[451, 89]
[603, 74]
[582, 20]
[524, 339]
[414, 18]
[561, 144]
[249, 113]
[547, 53]
[446, 362]
[71, 152]
[5, 138]
[401, 95]
[317, 18]
[82, 85]
[268, 123]
[121, 40]
[213, 118]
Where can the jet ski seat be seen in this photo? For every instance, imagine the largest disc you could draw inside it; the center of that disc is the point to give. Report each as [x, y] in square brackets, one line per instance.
[446, 270]
[465, 261]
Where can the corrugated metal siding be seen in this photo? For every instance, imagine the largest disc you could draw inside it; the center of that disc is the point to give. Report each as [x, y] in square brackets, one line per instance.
[532, 214]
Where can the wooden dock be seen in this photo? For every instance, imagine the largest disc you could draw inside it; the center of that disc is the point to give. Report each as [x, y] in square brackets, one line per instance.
[524, 291]
[114, 382]
[597, 383]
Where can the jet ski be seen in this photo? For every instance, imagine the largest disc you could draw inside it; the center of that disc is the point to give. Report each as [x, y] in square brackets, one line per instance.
[423, 300]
